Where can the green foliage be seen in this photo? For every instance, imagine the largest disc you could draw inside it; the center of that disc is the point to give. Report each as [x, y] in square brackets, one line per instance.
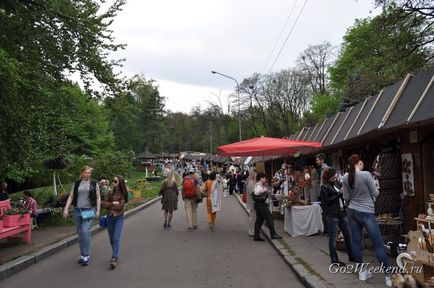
[137, 116]
[56, 37]
[377, 52]
[324, 105]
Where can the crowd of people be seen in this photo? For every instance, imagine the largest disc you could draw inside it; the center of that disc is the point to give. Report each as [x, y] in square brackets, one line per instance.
[347, 206]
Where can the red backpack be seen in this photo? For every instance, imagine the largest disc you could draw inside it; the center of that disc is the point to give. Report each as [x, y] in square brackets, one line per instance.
[189, 188]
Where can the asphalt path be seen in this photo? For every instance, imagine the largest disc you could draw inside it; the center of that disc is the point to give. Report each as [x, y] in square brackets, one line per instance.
[151, 256]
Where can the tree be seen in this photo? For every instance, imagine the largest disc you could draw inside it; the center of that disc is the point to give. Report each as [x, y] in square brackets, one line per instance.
[137, 116]
[314, 63]
[58, 38]
[275, 103]
[378, 52]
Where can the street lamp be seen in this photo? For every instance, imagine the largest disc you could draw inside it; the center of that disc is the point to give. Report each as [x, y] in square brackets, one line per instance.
[239, 103]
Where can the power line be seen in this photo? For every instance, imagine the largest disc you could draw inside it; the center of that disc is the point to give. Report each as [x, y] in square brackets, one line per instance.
[278, 37]
[287, 37]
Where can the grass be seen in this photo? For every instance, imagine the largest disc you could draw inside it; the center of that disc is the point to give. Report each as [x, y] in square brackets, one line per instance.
[44, 194]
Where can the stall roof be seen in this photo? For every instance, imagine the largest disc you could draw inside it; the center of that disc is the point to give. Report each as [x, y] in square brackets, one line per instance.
[335, 129]
[324, 129]
[407, 102]
[410, 100]
[380, 110]
[146, 155]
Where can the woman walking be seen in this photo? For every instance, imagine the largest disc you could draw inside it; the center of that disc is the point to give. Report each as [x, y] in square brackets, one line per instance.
[360, 191]
[212, 192]
[114, 203]
[250, 187]
[336, 214]
[169, 192]
[86, 199]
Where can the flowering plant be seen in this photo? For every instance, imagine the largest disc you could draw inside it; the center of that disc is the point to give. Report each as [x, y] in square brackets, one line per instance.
[15, 211]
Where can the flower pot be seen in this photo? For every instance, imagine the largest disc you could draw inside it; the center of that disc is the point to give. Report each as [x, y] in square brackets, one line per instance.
[16, 220]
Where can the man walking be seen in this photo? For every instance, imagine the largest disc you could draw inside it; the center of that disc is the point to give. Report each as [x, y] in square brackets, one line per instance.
[189, 186]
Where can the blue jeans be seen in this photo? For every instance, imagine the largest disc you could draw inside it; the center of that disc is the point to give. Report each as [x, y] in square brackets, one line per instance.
[335, 223]
[358, 221]
[114, 228]
[83, 231]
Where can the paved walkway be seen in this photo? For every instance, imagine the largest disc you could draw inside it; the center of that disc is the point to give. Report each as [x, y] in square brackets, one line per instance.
[154, 257]
[312, 254]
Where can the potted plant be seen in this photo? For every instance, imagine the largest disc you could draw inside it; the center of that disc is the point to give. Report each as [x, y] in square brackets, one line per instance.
[16, 217]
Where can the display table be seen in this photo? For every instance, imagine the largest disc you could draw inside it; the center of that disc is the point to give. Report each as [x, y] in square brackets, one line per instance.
[303, 220]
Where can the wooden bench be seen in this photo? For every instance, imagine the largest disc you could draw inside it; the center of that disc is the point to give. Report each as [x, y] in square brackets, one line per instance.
[14, 230]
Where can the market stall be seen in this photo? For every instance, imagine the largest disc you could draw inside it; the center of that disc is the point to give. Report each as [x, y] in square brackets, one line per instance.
[303, 220]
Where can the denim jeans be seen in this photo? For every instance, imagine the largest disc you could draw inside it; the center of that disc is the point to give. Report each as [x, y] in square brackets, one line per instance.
[114, 228]
[334, 224]
[83, 231]
[358, 221]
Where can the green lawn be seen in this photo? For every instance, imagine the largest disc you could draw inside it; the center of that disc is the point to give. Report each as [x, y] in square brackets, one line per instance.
[44, 194]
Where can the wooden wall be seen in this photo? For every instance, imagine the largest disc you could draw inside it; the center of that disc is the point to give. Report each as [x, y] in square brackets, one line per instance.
[420, 146]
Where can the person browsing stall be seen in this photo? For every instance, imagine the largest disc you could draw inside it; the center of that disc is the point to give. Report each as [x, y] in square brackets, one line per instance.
[260, 195]
[360, 191]
[334, 209]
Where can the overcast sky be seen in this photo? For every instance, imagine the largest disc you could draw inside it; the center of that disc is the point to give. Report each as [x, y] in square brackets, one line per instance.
[177, 43]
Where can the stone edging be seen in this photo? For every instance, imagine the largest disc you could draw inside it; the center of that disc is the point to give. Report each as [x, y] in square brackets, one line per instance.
[308, 279]
[21, 263]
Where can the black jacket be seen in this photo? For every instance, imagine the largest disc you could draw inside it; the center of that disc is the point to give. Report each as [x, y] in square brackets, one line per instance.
[330, 201]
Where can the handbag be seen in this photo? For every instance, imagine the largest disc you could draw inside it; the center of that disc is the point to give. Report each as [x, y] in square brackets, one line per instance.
[103, 221]
[260, 198]
[87, 214]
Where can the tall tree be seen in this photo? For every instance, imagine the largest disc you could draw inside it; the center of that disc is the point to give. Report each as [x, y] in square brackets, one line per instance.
[314, 63]
[377, 52]
[57, 38]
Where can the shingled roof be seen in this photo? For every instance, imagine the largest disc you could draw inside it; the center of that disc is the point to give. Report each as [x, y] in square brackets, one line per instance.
[408, 101]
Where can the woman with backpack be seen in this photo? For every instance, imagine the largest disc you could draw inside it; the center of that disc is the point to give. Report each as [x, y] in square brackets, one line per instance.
[86, 199]
[212, 191]
[169, 192]
[114, 203]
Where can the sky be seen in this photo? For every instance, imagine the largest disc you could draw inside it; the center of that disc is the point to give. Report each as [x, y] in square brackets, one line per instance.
[177, 43]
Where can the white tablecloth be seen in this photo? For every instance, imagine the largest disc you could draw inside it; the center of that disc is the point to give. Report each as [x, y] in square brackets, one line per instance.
[303, 220]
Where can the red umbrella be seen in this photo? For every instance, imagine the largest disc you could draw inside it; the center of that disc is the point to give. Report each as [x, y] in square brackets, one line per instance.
[266, 146]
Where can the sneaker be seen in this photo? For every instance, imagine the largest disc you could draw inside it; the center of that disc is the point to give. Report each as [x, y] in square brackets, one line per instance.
[169, 226]
[388, 281]
[80, 260]
[364, 275]
[211, 226]
[113, 263]
[258, 239]
[194, 226]
[190, 229]
[85, 261]
[165, 224]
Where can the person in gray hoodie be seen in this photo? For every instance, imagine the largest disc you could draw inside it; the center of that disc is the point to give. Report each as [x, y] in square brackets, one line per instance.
[360, 191]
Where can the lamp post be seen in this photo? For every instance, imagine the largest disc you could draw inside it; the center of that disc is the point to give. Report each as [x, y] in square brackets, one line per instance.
[238, 92]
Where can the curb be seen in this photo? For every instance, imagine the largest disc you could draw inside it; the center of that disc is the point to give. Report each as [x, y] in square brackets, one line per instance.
[308, 279]
[10, 268]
